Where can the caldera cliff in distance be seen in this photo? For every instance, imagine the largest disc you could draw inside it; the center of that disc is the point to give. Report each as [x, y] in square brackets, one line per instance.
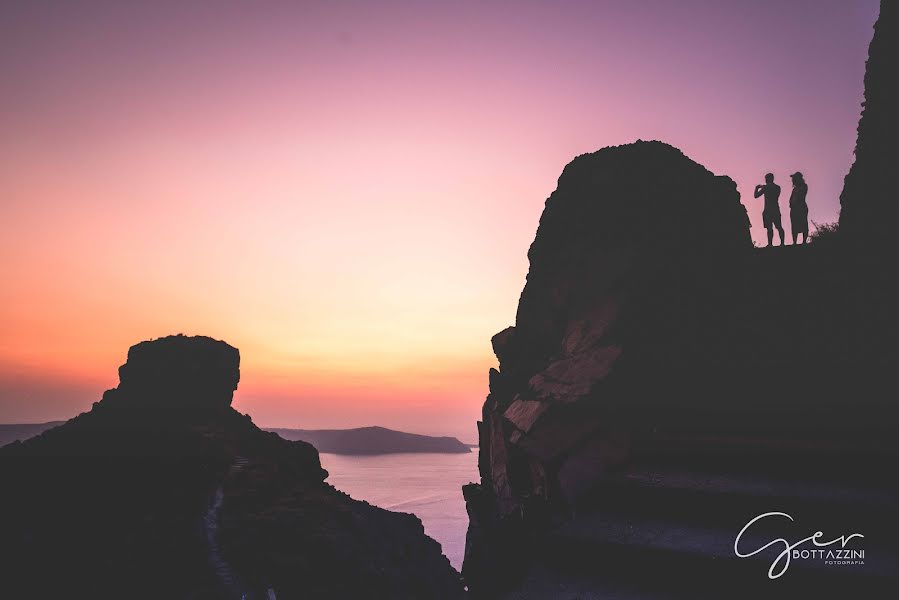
[373, 440]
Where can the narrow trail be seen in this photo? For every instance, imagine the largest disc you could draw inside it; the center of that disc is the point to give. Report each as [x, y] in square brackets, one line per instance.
[229, 580]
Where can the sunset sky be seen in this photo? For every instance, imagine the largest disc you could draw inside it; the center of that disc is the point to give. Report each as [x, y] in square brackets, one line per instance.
[346, 191]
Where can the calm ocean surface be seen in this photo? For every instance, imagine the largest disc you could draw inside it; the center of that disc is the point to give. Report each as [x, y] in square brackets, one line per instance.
[427, 485]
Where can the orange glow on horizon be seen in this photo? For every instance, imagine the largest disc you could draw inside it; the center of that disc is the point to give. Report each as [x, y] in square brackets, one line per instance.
[347, 193]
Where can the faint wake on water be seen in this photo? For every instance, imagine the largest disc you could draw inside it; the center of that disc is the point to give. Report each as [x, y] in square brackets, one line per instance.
[423, 501]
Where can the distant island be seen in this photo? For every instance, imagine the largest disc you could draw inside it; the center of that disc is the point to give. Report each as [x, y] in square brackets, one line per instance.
[12, 432]
[372, 440]
[362, 440]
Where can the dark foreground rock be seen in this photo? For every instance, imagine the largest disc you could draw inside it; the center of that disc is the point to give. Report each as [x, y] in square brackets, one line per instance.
[163, 490]
[664, 383]
[869, 211]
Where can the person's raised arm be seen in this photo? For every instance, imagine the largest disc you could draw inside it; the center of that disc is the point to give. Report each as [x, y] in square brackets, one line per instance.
[759, 190]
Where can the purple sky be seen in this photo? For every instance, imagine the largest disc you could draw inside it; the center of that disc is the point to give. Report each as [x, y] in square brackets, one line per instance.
[347, 190]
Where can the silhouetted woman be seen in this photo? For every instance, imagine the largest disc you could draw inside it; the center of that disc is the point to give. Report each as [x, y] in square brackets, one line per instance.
[798, 208]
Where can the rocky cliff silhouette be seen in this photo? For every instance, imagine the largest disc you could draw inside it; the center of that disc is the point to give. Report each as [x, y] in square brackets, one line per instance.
[869, 208]
[162, 490]
[665, 382]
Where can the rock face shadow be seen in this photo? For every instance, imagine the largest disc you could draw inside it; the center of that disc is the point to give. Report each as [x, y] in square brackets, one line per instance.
[664, 382]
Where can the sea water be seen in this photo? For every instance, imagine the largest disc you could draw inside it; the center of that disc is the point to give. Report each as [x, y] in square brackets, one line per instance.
[426, 485]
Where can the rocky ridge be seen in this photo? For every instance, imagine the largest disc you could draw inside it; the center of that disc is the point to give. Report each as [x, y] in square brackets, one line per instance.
[117, 502]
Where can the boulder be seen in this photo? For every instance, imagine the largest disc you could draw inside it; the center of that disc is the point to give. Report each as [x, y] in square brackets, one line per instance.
[524, 413]
[181, 372]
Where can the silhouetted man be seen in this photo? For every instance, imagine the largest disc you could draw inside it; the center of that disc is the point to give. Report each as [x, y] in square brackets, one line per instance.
[798, 208]
[771, 213]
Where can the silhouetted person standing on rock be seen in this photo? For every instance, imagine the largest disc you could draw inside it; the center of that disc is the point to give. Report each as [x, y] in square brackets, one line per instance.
[798, 208]
[771, 213]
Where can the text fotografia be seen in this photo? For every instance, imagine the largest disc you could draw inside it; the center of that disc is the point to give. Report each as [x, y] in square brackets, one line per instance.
[831, 556]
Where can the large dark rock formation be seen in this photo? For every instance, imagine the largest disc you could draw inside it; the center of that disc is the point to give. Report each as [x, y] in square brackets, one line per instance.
[179, 373]
[869, 200]
[618, 219]
[620, 257]
[665, 382]
[870, 204]
[163, 490]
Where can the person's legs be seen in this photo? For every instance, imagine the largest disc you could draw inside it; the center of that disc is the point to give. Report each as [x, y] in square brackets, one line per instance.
[770, 234]
[795, 236]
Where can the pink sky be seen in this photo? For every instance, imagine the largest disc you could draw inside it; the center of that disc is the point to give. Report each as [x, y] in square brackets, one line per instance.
[347, 191]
